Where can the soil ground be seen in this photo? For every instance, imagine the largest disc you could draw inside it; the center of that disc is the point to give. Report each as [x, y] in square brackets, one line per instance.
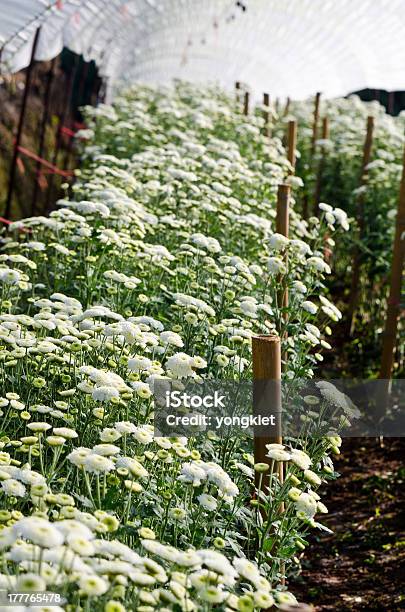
[362, 565]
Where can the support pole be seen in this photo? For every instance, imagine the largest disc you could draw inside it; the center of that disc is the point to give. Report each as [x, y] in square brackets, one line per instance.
[282, 216]
[397, 267]
[325, 136]
[17, 143]
[315, 123]
[282, 227]
[44, 123]
[292, 144]
[287, 106]
[246, 104]
[356, 268]
[266, 355]
[313, 147]
[266, 114]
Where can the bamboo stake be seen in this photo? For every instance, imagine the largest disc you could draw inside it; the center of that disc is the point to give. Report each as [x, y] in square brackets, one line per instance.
[292, 144]
[246, 104]
[325, 136]
[266, 114]
[356, 268]
[17, 143]
[397, 266]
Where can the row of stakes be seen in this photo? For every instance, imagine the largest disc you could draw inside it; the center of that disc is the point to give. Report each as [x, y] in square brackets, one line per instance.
[266, 349]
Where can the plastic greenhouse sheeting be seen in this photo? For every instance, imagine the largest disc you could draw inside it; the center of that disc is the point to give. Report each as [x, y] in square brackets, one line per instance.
[286, 47]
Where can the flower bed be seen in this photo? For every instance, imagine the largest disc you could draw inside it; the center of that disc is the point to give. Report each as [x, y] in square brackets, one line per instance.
[162, 264]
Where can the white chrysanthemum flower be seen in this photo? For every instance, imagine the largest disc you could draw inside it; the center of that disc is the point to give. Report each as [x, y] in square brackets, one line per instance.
[277, 452]
[139, 363]
[277, 242]
[306, 504]
[318, 264]
[133, 466]
[13, 488]
[181, 365]
[208, 502]
[65, 432]
[309, 307]
[39, 531]
[276, 265]
[169, 337]
[105, 393]
[300, 459]
[93, 585]
[125, 427]
[78, 456]
[30, 582]
[97, 464]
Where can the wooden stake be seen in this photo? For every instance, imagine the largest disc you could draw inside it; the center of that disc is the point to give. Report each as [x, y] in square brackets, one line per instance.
[292, 144]
[237, 90]
[315, 123]
[17, 143]
[266, 355]
[282, 217]
[287, 106]
[282, 227]
[356, 268]
[246, 104]
[397, 266]
[266, 114]
[325, 136]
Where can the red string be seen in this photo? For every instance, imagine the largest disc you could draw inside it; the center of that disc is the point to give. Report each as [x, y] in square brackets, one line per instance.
[67, 131]
[51, 167]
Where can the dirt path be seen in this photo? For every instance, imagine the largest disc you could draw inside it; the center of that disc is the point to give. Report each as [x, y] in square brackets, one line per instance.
[362, 566]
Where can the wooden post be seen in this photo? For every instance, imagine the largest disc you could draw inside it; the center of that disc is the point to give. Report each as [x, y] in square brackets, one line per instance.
[315, 123]
[287, 106]
[356, 268]
[312, 151]
[397, 266]
[246, 104]
[17, 143]
[391, 103]
[292, 144]
[282, 217]
[325, 136]
[266, 356]
[266, 114]
[282, 227]
[44, 122]
[237, 90]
